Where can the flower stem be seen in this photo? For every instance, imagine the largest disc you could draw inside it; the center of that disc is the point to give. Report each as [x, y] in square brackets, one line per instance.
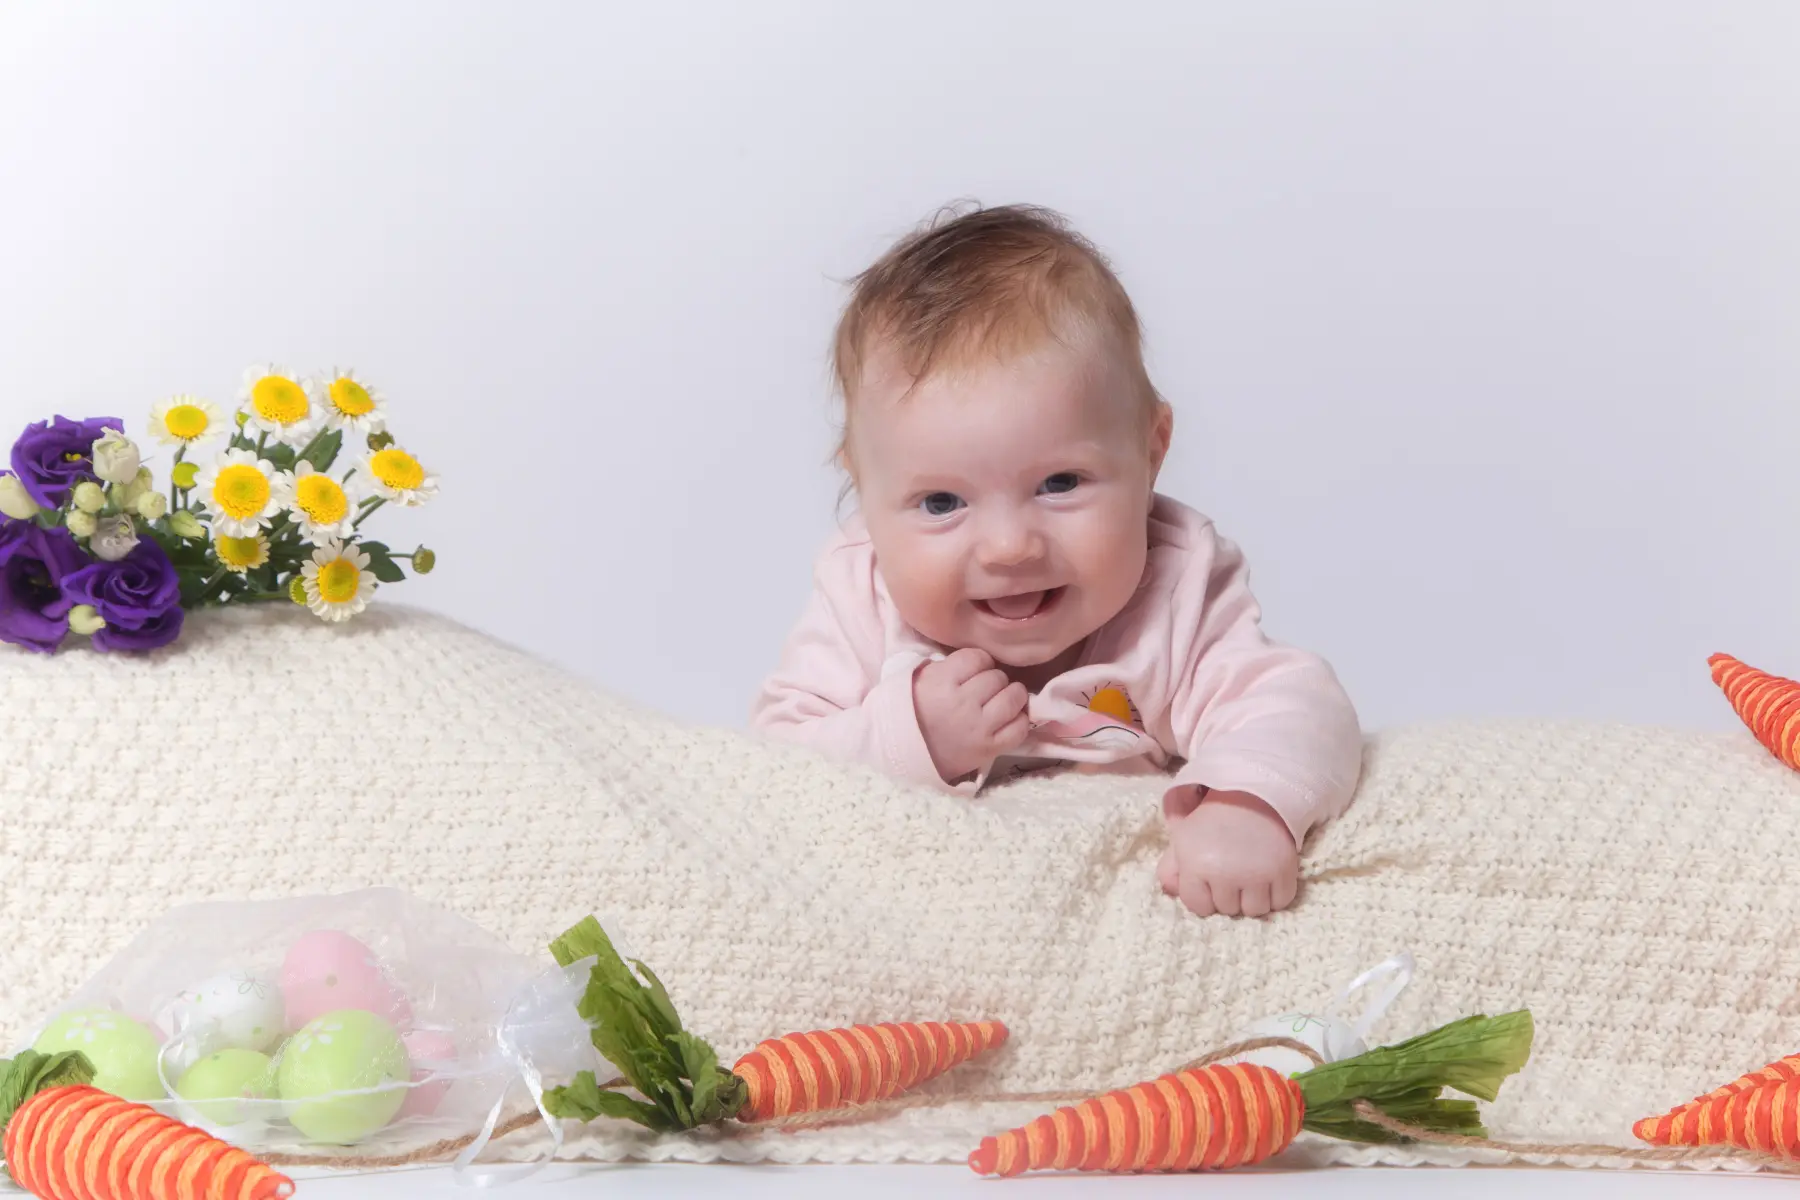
[212, 582]
[261, 441]
[368, 507]
[309, 447]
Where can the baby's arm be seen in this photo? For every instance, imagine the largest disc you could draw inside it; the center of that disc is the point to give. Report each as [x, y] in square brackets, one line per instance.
[1272, 742]
[827, 693]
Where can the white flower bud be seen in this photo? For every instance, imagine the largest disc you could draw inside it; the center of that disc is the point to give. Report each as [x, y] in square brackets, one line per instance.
[82, 524]
[89, 496]
[15, 501]
[152, 505]
[114, 539]
[85, 620]
[115, 457]
[185, 524]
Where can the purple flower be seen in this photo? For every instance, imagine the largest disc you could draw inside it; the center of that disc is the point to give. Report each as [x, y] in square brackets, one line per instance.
[53, 456]
[35, 564]
[139, 598]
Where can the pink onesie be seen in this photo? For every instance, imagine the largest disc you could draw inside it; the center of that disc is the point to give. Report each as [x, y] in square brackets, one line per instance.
[1183, 677]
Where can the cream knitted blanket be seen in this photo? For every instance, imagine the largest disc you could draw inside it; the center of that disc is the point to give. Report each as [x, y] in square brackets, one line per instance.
[1635, 888]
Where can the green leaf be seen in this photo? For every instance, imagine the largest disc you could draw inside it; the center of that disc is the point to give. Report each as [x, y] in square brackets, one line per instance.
[583, 1099]
[381, 562]
[324, 450]
[281, 456]
[583, 939]
[1474, 1056]
[23, 1077]
[633, 1023]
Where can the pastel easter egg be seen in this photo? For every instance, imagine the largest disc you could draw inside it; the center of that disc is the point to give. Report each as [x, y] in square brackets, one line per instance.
[433, 1057]
[328, 1069]
[123, 1051]
[242, 1010]
[327, 970]
[217, 1086]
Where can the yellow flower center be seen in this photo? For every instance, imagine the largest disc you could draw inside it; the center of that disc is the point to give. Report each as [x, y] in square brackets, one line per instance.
[242, 553]
[241, 492]
[338, 581]
[397, 469]
[350, 397]
[185, 421]
[321, 499]
[279, 400]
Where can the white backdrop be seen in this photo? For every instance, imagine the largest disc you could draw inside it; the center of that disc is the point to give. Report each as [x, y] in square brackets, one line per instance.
[1480, 319]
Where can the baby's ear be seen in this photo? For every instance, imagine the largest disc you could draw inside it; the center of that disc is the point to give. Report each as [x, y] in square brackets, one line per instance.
[1162, 432]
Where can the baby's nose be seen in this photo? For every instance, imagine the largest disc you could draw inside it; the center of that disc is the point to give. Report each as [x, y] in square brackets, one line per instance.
[1012, 544]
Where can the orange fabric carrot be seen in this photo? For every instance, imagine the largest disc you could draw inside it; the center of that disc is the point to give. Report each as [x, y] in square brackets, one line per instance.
[1768, 704]
[1219, 1116]
[1680, 1126]
[832, 1068]
[636, 1029]
[66, 1140]
[71, 1143]
[1201, 1119]
[1764, 1118]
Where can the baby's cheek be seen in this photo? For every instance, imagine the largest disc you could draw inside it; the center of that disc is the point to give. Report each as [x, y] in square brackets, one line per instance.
[924, 580]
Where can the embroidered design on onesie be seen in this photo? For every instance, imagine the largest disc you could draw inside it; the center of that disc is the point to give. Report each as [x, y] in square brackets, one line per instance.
[1111, 720]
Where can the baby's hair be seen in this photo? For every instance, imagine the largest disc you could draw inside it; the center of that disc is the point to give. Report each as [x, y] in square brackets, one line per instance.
[983, 281]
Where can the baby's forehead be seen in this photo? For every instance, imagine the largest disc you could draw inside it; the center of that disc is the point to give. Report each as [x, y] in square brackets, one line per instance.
[891, 376]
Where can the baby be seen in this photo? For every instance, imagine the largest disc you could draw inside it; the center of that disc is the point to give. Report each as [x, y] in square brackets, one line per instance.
[1013, 593]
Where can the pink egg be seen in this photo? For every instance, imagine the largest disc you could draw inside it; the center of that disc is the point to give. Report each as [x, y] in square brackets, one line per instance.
[327, 970]
[433, 1055]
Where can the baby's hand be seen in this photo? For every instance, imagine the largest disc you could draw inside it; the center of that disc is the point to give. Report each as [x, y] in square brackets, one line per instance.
[1230, 853]
[968, 711]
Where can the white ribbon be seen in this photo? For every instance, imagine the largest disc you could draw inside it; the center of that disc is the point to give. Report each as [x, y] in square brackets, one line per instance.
[1401, 967]
[541, 1029]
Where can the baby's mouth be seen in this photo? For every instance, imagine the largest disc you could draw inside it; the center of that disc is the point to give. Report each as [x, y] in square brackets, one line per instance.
[1019, 607]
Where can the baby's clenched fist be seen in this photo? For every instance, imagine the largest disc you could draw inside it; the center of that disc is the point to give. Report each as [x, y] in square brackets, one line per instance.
[1229, 853]
[969, 712]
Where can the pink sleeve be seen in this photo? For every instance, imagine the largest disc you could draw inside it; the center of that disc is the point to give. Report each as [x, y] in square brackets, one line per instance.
[1253, 715]
[827, 693]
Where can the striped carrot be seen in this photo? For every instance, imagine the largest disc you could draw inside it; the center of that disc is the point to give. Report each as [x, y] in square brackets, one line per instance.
[1768, 704]
[1222, 1116]
[635, 1027]
[1680, 1126]
[1764, 1118]
[861, 1064]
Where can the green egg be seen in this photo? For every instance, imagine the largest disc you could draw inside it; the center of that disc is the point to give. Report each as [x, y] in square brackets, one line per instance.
[122, 1050]
[343, 1051]
[218, 1084]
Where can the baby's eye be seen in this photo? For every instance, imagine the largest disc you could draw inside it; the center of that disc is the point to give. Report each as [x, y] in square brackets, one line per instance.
[940, 504]
[1062, 481]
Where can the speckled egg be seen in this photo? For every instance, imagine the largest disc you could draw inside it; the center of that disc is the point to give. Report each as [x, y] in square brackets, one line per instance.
[433, 1057]
[122, 1051]
[339, 1076]
[238, 1010]
[327, 970]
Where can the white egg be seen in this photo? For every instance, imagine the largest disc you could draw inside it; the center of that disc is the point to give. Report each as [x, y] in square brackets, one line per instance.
[238, 1009]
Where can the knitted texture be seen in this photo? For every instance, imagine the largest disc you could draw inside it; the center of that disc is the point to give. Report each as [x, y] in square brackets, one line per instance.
[1634, 887]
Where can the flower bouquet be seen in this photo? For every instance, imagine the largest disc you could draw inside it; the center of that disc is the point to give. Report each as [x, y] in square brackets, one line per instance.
[91, 545]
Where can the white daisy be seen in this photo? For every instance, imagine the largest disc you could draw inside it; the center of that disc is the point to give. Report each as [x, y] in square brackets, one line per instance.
[394, 474]
[275, 402]
[338, 582]
[242, 493]
[241, 554]
[345, 402]
[183, 420]
[322, 507]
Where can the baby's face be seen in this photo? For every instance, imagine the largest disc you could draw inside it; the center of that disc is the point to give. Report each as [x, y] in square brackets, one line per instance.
[1008, 502]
